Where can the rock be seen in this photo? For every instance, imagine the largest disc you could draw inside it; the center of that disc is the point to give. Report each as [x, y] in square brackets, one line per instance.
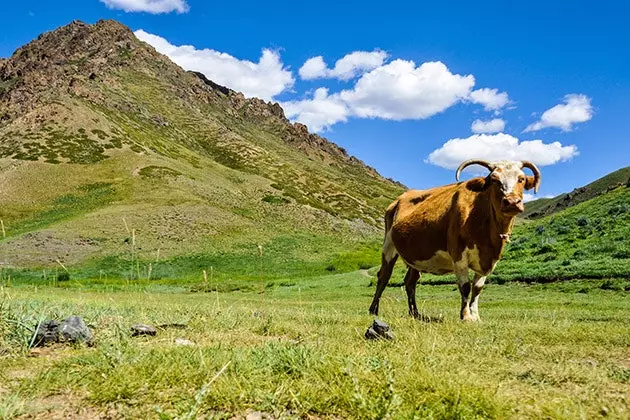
[47, 332]
[74, 330]
[370, 334]
[142, 329]
[255, 415]
[379, 330]
[380, 327]
[183, 342]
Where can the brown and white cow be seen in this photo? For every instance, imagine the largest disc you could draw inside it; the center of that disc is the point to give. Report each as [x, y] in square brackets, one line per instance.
[454, 228]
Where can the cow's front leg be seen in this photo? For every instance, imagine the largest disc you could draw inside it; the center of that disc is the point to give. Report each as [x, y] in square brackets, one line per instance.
[477, 287]
[463, 282]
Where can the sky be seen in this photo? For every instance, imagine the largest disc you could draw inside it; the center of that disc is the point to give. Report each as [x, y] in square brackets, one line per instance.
[410, 88]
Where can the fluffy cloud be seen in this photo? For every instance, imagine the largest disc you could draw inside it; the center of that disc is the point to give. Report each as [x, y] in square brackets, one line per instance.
[493, 126]
[499, 146]
[401, 90]
[318, 113]
[398, 90]
[150, 6]
[313, 68]
[575, 109]
[264, 79]
[491, 99]
[346, 68]
[531, 197]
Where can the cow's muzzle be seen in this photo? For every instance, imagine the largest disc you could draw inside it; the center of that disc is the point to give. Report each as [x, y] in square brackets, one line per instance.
[512, 204]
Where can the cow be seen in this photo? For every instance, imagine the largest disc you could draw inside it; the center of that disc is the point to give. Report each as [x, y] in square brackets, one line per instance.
[454, 228]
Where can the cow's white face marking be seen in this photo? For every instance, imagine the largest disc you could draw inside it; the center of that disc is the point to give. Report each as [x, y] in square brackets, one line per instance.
[508, 174]
[508, 181]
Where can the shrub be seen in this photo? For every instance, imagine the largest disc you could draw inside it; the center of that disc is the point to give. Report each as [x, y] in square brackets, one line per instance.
[274, 199]
[581, 221]
[540, 229]
[562, 230]
[63, 276]
[621, 254]
[611, 285]
[545, 249]
[330, 267]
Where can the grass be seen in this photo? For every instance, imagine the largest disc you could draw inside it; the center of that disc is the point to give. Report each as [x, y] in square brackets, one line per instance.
[545, 350]
[588, 240]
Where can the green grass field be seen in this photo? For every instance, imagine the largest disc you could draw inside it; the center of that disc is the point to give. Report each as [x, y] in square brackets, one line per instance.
[559, 350]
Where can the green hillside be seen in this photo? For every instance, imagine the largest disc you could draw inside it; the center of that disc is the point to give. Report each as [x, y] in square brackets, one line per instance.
[116, 162]
[545, 206]
[588, 240]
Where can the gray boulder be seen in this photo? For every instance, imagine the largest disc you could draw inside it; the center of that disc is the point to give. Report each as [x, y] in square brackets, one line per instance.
[379, 330]
[47, 332]
[74, 330]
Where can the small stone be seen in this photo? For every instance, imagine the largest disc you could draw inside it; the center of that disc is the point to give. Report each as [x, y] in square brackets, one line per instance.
[380, 327]
[379, 330]
[256, 415]
[47, 332]
[142, 329]
[370, 334]
[183, 342]
[74, 330]
[604, 411]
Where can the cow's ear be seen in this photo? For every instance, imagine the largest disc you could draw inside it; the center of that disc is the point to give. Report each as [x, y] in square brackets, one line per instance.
[477, 184]
[530, 183]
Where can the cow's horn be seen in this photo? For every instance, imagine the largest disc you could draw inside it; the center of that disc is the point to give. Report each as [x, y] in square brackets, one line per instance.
[535, 170]
[469, 162]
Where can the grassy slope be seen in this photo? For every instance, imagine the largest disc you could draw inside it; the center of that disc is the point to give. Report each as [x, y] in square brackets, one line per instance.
[202, 187]
[553, 351]
[546, 206]
[589, 240]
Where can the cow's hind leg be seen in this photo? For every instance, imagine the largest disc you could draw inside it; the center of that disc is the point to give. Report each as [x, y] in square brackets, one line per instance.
[411, 281]
[384, 274]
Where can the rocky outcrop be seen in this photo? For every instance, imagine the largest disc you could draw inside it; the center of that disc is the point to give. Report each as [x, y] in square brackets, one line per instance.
[79, 59]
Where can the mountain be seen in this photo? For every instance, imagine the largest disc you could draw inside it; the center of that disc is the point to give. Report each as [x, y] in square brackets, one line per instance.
[113, 157]
[545, 206]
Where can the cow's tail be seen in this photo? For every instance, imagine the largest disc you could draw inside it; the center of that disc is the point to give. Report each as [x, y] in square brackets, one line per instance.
[390, 214]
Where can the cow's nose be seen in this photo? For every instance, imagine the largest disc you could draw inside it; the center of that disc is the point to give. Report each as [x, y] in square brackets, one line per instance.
[511, 201]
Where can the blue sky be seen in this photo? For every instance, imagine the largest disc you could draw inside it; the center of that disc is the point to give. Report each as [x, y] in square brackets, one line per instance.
[414, 75]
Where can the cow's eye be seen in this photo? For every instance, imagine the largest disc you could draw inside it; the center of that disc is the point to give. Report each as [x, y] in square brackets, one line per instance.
[521, 180]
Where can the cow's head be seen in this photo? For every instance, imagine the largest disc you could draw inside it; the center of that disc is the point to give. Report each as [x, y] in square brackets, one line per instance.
[507, 181]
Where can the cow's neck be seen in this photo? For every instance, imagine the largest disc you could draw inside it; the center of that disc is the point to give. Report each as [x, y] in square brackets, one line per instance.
[500, 224]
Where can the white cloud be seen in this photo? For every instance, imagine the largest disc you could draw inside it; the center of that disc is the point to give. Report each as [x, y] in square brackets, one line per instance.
[264, 79]
[349, 66]
[576, 108]
[399, 90]
[531, 197]
[313, 68]
[501, 146]
[491, 99]
[318, 113]
[493, 126]
[150, 6]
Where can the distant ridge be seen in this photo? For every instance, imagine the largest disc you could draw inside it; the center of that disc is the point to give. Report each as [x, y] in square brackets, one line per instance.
[545, 206]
